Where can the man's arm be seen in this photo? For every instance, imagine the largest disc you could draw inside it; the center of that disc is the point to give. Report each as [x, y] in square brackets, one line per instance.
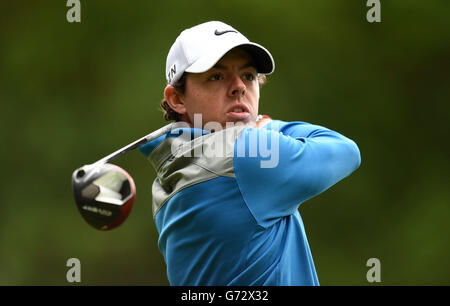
[311, 159]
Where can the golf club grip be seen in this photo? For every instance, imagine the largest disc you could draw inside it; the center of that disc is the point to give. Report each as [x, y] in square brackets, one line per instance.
[165, 129]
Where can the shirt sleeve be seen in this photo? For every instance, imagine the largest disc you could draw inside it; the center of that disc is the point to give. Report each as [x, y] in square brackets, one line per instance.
[284, 164]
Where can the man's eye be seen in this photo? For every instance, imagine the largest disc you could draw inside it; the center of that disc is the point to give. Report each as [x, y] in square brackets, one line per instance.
[249, 76]
[215, 77]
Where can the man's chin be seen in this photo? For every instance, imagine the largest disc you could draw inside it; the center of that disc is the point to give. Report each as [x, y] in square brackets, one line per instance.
[224, 123]
[241, 122]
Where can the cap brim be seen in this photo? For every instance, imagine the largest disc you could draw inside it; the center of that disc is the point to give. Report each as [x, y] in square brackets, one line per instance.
[263, 59]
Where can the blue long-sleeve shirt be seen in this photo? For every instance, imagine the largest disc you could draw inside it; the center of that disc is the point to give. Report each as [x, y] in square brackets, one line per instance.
[226, 205]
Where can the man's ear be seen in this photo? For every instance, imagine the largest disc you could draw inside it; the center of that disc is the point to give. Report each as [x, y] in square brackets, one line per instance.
[174, 99]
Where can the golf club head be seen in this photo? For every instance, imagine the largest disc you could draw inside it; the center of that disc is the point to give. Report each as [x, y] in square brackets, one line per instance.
[104, 194]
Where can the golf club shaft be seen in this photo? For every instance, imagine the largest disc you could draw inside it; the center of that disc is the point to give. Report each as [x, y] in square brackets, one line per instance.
[135, 144]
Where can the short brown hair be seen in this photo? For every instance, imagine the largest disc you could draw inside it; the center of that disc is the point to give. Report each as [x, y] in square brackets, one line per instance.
[180, 86]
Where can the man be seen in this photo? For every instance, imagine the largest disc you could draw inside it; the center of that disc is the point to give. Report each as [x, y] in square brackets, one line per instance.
[225, 205]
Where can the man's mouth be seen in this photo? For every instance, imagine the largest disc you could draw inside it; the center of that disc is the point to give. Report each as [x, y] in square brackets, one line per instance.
[238, 112]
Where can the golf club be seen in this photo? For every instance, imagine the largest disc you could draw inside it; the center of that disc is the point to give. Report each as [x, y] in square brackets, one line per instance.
[104, 193]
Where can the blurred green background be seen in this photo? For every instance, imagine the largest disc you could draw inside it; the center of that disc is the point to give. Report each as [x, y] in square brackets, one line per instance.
[72, 93]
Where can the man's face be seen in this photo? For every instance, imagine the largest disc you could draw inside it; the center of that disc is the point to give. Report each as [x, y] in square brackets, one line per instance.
[228, 92]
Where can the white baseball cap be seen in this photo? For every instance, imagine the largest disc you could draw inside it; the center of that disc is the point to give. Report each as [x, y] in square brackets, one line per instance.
[199, 48]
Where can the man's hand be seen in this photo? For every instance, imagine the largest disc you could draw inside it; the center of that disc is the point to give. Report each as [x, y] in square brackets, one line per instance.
[262, 120]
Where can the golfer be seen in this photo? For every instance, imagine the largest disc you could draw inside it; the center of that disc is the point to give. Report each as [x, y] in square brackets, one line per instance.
[229, 182]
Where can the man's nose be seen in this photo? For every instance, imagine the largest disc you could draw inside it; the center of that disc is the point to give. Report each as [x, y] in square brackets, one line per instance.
[237, 87]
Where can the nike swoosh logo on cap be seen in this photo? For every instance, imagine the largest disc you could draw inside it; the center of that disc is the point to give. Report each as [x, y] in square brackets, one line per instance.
[223, 32]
